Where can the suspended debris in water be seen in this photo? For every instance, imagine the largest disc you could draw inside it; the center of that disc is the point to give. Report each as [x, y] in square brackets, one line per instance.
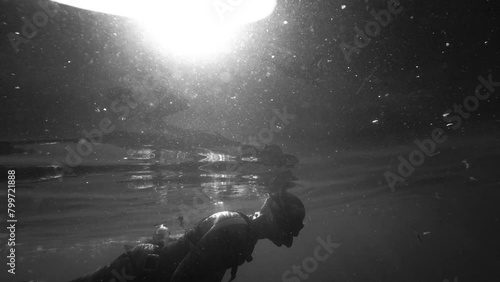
[181, 221]
[418, 237]
[466, 164]
[436, 153]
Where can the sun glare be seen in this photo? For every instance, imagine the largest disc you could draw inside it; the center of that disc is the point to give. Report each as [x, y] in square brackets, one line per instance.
[185, 31]
[186, 27]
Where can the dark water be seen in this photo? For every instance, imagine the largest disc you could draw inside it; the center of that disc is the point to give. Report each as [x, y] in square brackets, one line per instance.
[169, 131]
[442, 223]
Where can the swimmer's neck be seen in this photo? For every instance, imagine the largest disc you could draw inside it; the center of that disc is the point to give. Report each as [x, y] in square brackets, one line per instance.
[260, 225]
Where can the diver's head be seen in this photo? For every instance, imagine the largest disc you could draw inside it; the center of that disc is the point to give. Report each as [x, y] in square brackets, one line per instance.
[273, 155]
[284, 214]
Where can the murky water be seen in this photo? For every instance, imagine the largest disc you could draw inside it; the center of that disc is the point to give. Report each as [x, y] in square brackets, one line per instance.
[382, 117]
[434, 226]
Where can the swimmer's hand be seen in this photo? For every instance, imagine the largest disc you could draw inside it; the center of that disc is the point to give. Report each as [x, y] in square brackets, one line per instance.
[161, 236]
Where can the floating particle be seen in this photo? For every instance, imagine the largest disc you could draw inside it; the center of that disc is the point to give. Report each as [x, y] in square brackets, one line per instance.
[418, 237]
[466, 164]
